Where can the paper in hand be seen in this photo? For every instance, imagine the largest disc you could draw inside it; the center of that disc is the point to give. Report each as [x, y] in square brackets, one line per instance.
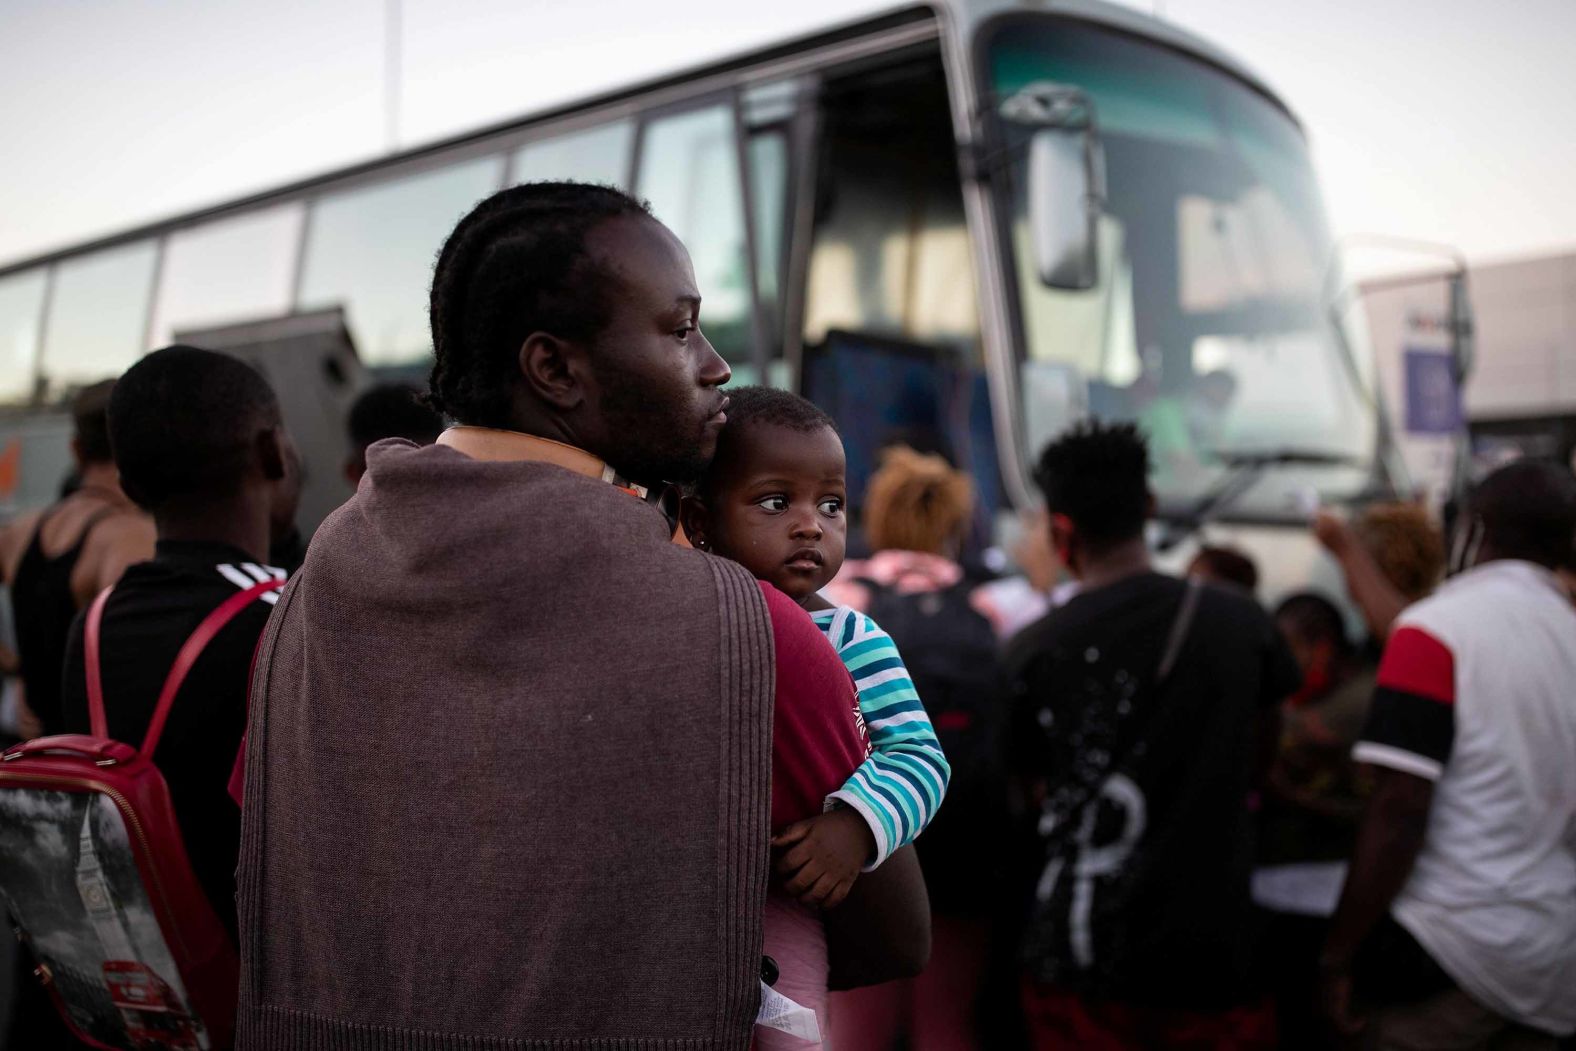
[780, 1013]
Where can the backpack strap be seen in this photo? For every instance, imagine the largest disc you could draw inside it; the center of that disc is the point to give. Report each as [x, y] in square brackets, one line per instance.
[90, 658]
[1179, 630]
[192, 649]
[1181, 622]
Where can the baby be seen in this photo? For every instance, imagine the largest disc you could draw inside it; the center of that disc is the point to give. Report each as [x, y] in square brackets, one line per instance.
[774, 500]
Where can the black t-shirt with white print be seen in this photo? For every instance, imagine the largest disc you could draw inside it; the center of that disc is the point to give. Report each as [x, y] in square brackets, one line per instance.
[1144, 838]
[155, 607]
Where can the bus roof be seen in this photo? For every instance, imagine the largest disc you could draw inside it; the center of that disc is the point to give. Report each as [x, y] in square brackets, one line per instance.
[973, 13]
[963, 16]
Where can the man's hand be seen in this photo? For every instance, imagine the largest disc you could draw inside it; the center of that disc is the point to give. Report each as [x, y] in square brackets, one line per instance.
[28, 725]
[1333, 533]
[821, 856]
[1388, 840]
[1335, 998]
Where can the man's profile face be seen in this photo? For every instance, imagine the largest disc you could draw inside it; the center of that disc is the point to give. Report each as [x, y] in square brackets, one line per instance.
[656, 409]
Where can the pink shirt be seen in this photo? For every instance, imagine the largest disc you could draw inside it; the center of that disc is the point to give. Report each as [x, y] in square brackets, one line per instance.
[816, 742]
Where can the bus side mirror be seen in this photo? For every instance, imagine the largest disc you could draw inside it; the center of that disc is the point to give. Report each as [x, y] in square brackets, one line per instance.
[1064, 207]
[1066, 185]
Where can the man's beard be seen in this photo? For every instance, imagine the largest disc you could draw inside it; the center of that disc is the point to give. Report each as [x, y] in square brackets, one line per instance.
[645, 448]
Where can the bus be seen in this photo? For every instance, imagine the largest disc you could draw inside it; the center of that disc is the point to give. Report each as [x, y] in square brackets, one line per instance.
[151, 1011]
[975, 221]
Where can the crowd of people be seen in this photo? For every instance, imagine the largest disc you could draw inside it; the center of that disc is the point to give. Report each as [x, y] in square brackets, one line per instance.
[592, 720]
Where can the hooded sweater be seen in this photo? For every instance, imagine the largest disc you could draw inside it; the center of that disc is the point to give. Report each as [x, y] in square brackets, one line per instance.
[508, 775]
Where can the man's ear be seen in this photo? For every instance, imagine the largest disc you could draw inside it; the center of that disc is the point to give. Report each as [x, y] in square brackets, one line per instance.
[549, 366]
[132, 490]
[271, 458]
[76, 451]
[1063, 533]
[694, 518]
[1324, 653]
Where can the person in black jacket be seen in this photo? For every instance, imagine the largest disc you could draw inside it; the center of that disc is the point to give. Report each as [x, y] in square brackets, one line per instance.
[1138, 929]
[200, 445]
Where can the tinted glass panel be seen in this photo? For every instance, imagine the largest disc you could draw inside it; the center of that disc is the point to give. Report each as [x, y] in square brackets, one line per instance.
[590, 155]
[97, 315]
[371, 250]
[689, 171]
[21, 309]
[232, 270]
[769, 197]
[1206, 324]
[891, 253]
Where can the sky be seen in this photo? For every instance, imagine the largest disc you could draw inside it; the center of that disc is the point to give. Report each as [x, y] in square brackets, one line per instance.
[1444, 120]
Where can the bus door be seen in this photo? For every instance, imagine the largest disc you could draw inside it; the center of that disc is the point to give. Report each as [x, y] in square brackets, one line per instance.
[891, 338]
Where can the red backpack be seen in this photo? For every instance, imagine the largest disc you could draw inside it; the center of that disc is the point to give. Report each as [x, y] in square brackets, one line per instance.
[95, 876]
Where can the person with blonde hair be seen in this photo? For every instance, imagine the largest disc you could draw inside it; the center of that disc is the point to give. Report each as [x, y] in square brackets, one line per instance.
[918, 502]
[55, 560]
[1391, 556]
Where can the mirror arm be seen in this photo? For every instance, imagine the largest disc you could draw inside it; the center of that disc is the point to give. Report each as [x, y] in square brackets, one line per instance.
[1337, 295]
[978, 162]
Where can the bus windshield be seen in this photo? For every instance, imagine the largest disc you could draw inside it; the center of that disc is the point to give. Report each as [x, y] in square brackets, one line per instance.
[1206, 325]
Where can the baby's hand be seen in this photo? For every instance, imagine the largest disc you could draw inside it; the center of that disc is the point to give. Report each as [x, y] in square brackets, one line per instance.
[823, 856]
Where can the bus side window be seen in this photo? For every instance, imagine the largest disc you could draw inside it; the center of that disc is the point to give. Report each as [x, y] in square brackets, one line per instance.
[768, 161]
[21, 312]
[769, 112]
[597, 154]
[371, 250]
[98, 316]
[689, 171]
[238, 269]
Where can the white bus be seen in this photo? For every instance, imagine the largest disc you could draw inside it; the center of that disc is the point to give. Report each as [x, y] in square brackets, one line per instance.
[975, 222]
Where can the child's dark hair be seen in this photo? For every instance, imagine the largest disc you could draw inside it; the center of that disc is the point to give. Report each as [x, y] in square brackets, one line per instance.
[1315, 619]
[1231, 565]
[1097, 474]
[515, 265]
[771, 405]
[761, 406]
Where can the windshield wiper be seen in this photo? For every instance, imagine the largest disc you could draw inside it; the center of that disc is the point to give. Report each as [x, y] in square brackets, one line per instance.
[1282, 456]
[1243, 469]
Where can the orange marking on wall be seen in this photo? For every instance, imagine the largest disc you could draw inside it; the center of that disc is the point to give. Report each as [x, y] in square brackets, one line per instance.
[10, 468]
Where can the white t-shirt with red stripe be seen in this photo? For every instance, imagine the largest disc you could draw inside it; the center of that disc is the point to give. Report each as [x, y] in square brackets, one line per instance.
[1477, 693]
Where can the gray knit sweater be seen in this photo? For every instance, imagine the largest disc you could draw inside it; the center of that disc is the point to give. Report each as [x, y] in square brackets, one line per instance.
[508, 775]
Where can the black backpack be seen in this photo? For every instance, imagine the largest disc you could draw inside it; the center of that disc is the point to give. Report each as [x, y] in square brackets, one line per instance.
[951, 653]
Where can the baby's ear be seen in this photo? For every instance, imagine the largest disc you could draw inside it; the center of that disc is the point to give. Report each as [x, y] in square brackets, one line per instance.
[694, 518]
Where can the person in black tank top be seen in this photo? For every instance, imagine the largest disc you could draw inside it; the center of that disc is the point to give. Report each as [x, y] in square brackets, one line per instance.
[45, 607]
[48, 581]
[44, 598]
